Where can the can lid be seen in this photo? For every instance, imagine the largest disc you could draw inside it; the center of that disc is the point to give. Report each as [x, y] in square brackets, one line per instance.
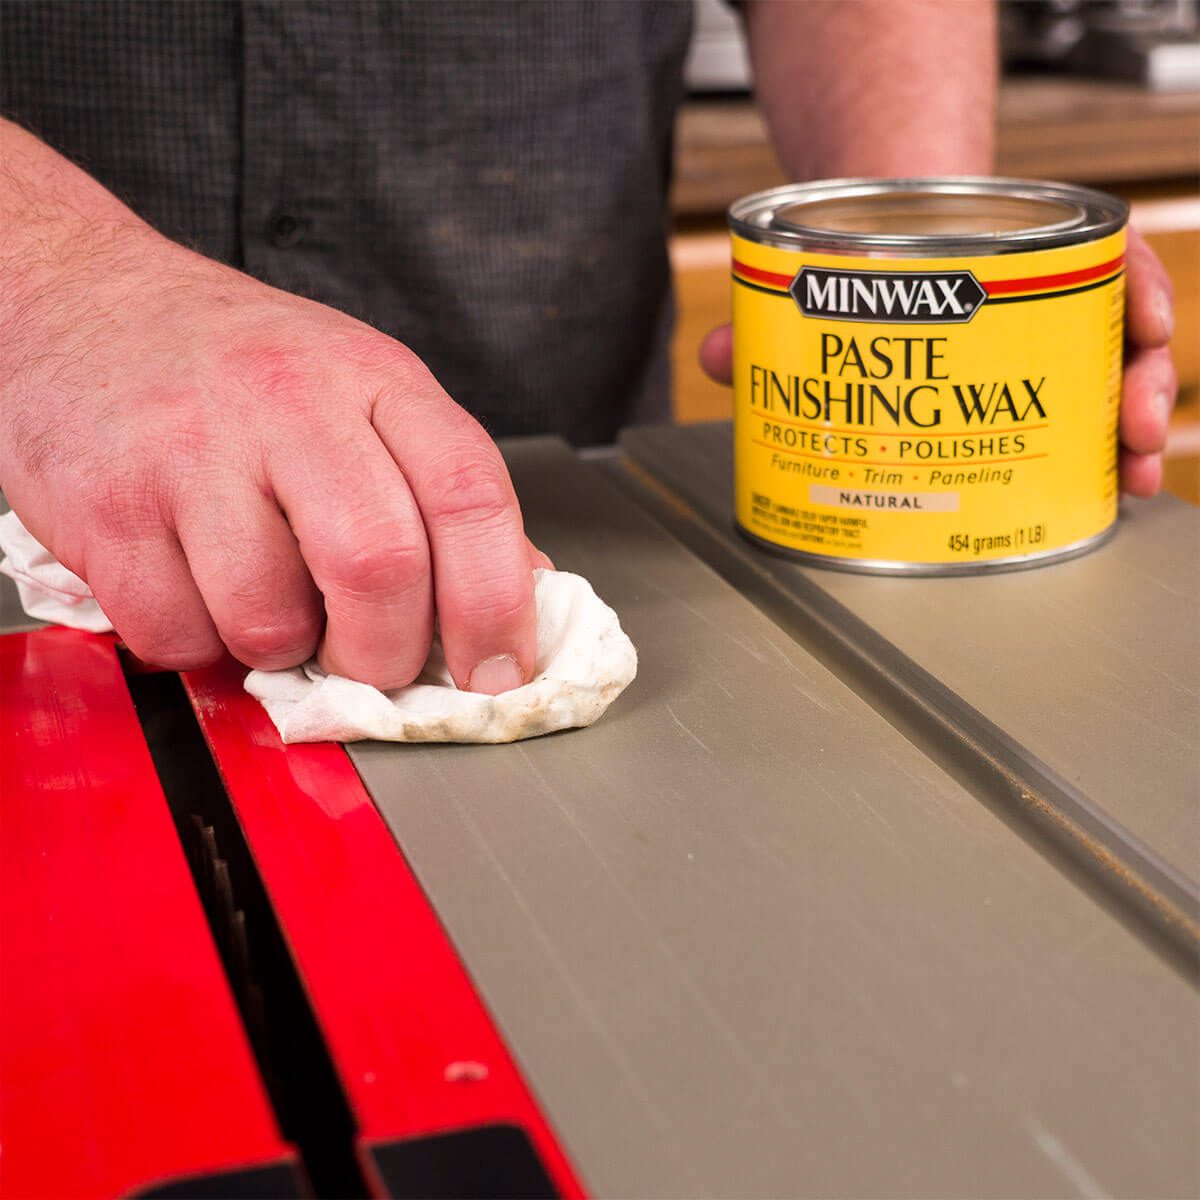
[928, 217]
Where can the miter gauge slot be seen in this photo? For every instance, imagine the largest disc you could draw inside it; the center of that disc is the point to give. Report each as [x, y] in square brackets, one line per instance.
[292, 1058]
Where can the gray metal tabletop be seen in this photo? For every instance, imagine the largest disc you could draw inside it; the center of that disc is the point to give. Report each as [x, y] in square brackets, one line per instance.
[747, 937]
[1089, 667]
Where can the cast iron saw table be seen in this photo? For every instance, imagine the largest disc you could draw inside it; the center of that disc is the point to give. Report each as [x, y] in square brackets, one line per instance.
[865, 887]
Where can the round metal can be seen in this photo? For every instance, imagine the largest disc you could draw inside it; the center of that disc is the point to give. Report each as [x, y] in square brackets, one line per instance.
[927, 372]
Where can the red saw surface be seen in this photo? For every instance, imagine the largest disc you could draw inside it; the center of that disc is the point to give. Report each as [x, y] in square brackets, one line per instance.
[122, 1059]
[415, 1049]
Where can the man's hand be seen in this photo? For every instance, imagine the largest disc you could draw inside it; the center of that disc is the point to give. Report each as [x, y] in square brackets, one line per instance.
[228, 465]
[1148, 396]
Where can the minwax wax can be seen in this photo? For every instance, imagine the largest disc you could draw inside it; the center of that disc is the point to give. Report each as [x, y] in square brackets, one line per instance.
[927, 372]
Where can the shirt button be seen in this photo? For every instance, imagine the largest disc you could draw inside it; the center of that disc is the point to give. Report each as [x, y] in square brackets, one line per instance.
[285, 230]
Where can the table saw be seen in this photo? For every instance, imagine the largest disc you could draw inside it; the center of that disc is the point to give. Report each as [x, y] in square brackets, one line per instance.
[865, 887]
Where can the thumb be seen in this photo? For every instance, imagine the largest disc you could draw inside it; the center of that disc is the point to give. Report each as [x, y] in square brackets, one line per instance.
[716, 354]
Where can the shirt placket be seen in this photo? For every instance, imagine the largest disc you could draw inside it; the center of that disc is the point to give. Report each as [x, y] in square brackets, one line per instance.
[293, 142]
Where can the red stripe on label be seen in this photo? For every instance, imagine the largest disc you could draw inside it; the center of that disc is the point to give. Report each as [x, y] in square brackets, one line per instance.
[1038, 283]
[995, 287]
[772, 278]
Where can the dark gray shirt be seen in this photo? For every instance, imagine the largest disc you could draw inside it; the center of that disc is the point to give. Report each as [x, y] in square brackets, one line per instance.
[484, 181]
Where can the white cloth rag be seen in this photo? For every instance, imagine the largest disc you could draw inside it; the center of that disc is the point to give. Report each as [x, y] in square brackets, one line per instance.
[584, 662]
[48, 591]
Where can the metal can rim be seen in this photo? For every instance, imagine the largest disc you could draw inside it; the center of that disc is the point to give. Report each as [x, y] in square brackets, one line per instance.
[1103, 214]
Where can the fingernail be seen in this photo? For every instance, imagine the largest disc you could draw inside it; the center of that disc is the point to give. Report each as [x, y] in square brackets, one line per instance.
[495, 675]
[1166, 314]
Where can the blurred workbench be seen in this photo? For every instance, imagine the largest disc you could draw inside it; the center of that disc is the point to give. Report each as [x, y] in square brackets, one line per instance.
[1141, 145]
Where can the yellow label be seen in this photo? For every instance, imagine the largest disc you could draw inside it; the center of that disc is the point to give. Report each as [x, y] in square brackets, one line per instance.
[927, 411]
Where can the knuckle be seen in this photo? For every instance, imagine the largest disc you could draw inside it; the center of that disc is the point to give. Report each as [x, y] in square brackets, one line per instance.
[159, 626]
[121, 505]
[386, 678]
[176, 653]
[286, 642]
[1170, 379]
[373, 351]
[379, 563]
[495, 602]
[187, 658]
[267, 366]
[506, 603]
[389, 663]
[277, 380]
[476, 491]
[1163, 280]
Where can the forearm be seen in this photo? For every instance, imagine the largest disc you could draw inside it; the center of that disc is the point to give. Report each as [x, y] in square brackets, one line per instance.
[56, 223]
[876, 87]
